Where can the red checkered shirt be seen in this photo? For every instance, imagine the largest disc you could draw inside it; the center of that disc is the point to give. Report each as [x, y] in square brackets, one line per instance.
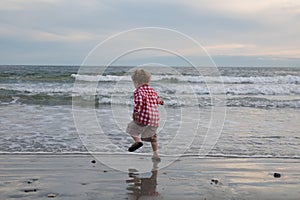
[145, 109]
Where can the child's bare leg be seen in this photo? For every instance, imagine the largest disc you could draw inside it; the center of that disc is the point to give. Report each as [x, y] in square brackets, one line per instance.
[136, 139]
[155, 148]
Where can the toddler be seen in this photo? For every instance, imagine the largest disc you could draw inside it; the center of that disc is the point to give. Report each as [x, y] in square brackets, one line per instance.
[145, 114]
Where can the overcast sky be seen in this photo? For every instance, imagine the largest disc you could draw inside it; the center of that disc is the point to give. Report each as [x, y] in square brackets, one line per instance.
[233, 32]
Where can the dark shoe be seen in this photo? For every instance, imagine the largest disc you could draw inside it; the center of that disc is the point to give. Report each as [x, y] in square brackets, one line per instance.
[135, 146]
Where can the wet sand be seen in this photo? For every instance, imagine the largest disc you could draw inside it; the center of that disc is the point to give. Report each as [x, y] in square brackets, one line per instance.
[76, 177]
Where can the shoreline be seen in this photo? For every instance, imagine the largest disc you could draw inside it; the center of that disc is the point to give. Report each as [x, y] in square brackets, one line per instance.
[221, 156]
[75, 176]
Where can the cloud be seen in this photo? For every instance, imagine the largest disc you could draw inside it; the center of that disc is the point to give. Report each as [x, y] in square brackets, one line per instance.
[47, 36]
[244, 9]
[51, 20]
[17, 5]
[268, 28]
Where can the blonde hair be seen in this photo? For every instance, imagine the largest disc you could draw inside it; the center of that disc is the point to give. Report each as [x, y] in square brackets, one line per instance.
[141, 76]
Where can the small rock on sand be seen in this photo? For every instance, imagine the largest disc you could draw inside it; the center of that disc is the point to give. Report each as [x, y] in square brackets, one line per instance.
[30, 190]
[51, 195]
[32, 180]
[277, 175]
[216, 181]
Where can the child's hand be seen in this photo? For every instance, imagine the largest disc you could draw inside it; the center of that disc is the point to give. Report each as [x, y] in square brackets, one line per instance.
[161, 102]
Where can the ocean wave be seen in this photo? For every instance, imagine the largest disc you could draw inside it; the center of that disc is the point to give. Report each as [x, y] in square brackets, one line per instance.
[162, 89]
[288, 79]
[32, 88]
[259, 96]
[254, 102]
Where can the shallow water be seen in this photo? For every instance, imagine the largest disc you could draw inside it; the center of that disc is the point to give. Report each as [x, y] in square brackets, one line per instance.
[247, 132]
[253, 112]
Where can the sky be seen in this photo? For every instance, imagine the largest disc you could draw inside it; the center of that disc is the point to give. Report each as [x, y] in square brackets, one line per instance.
[232, 32]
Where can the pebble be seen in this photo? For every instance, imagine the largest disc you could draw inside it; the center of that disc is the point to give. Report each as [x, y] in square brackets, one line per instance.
[51, 195]
[30, 190]
[32, 180]
[216, 181]
[277, 175]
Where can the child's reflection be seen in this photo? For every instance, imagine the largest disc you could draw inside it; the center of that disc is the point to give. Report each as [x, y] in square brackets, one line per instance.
[140, 187]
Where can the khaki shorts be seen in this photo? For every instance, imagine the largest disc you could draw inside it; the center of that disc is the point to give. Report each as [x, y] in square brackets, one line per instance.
[148, 133]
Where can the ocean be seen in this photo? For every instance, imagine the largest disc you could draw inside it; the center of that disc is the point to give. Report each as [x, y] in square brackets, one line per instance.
[260, 111]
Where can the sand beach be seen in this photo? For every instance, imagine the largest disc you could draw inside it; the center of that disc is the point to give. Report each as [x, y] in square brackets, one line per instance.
[78, 177]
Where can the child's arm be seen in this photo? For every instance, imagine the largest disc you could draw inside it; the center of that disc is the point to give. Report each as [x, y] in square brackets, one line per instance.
[134, 116]
[138, 101]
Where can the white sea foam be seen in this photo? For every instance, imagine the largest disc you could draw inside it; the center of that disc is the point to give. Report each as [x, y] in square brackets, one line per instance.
[33, 88]
[167, 89]
[288, 79]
